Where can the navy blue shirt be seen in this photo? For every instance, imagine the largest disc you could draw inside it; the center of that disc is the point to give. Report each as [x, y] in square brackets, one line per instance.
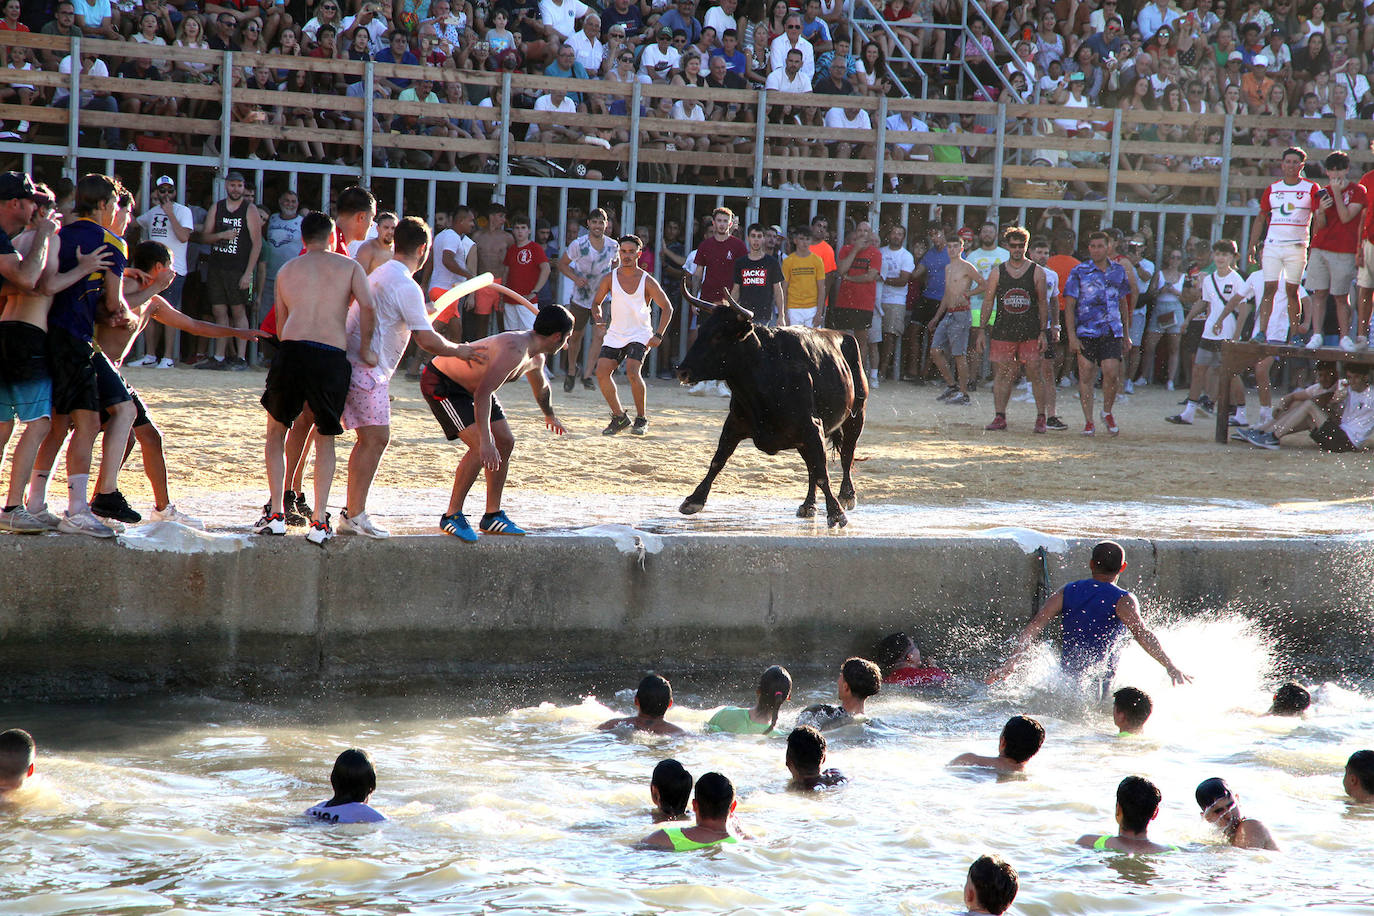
[74, 309]
[1092, 631]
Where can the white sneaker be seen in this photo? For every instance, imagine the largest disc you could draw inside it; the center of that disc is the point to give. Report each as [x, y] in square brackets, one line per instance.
[1315, 343]
[173, 514]
[698, 389]
[49, 520]
[84, 522]
[1066, 382]
[1347, 344]
[1129, 387]
[722, 390]
[320, 532]
[361, 524]
[21, 522]
[873, 382]
[149, 360]
[165, 363]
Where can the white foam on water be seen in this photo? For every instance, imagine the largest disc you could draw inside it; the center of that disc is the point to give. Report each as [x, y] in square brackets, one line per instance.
[174, 538]
[627, 539]
[1029, 540]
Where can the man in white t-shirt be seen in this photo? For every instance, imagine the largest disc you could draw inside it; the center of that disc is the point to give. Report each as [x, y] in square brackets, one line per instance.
[894, 273]
[450, 251]
[171, 224]
[587, 47]
[1222, 294]
[906, 122]
[789, 78]
[1284, 226]
[791, 40]
[1250, 298]
[1347, 429]
[659, 61]
[561, 16]
[559, 101]
[399, 307]
[848, 119]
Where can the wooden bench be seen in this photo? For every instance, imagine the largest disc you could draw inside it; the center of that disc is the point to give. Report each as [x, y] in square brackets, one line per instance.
[1237, 356]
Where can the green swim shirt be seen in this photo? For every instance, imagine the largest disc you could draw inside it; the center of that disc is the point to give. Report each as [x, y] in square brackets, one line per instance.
[735, 719]
[1101, 845]
[682, 844]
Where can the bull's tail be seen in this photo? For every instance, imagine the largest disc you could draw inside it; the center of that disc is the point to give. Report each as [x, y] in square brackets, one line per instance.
[853, 356]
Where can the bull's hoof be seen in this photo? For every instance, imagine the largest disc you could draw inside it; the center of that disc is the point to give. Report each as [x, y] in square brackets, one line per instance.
[838, 520]
[848, 500]
[806, 510]
[690, 508]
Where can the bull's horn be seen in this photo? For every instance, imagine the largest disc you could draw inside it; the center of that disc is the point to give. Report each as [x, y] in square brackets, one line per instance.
[696, 303]
[739, 308]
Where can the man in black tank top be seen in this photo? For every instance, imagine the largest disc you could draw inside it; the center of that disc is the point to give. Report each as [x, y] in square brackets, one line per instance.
[1017, 327]
[233, 230]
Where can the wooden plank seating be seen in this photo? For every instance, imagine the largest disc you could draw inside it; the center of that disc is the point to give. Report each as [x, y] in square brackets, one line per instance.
[1237, 356]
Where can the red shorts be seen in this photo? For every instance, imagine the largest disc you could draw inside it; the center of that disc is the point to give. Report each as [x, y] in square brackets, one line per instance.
[1014, 351]
[486, 300]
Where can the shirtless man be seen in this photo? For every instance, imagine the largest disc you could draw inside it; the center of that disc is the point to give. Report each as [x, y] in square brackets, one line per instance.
[152, 273]
[630, 335]
[1137, 803]
[313, 296]
[1020, 740]
[463, 399]
[953, 321]
[25, 379]
[1221, 808]
[489, 247]
[400, 312]
[375, 252]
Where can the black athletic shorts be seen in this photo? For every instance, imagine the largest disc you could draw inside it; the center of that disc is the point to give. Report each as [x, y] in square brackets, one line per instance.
[848, 319]
[73, 365]
[632, 350]
[923, 311]
[1099, 349]
[222, 288]
[1331, 438]
[140, 409]
[110, 384]
[305, 372]
[23, 352]
[451, 403]
[582, 316]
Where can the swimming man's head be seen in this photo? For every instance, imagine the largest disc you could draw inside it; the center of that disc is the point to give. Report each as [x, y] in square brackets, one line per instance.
[1290, 700]
[862, 677]
[354, 778]
[805, 751]
[17, 750]
[893, 650]
[1021, 738]
[671, 787]
[715, 797]
[991, 885]
[1131, 706]
[654, 696]
[1359, 776]
[1137, 803]
[1108, 558]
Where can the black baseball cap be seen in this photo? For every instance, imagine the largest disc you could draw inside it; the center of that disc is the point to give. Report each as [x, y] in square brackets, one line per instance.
[17, 186]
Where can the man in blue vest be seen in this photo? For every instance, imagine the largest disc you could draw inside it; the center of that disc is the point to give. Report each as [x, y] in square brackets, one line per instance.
[1097, 615]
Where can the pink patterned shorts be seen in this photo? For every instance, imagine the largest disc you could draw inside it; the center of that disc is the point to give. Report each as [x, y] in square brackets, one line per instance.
[369, 400]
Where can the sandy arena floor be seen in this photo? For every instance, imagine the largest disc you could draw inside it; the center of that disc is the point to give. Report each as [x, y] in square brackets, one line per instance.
[925, 467]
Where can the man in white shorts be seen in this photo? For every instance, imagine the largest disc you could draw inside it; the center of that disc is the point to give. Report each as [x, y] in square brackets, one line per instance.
[399, 305]
[1284, 226]
[630, 334]
[1335, 236]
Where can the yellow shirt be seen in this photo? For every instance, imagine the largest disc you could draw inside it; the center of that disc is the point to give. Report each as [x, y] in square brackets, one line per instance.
[800, 277]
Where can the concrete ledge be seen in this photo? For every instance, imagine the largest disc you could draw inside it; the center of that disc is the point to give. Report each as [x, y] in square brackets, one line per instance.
[84, 618]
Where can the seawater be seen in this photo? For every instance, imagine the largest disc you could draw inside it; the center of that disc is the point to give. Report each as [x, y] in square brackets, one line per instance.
[503, 799]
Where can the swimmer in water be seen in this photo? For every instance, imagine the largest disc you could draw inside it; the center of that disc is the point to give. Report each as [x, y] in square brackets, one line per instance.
[775, 687]
[1021, 739]
[1359, 777]
[354, 780]
[859, 680]
[714, 807]
[653, 699]
[1131, 708]
[1137, 803]
[806, 759]
[1221, 808]
[1290, 700]
[17, 752]
[671, 790]
[991, 886]
[1097, 614]
[901, 661]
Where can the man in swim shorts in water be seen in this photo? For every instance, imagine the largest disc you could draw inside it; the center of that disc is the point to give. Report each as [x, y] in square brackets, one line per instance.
[1137, 803]
[671, 790]
[1097, 614]
[859, 680]
[991, 886]
[1131, 708]
[714, 806]
[1021, 739]
[17, 750]
[1221, 808]
[353, 779]
[653, 698]
[1359, 777]
[806, 761]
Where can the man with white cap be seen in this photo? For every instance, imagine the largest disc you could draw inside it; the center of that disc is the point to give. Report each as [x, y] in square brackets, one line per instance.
[171, 224]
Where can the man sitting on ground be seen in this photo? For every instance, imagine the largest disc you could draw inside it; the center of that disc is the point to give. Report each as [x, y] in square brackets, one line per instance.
[653, 699]
[1347, 431]
[1137, 803]
[1021, 739]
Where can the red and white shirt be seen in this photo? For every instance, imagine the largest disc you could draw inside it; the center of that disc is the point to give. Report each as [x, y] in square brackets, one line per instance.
[1290, 208]
[1337, 236]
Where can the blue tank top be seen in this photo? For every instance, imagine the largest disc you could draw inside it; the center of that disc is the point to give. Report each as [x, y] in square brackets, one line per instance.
[1092, 631]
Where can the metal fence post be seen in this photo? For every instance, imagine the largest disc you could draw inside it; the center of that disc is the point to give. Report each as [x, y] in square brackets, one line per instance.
[226, 106]
[1224, 178]
[503, 161]
[1338, 141]
[997, 160]
[1112, 168]
[760, 119]
[880, 156]
[627, 207]
[74, 110]
[369, 90]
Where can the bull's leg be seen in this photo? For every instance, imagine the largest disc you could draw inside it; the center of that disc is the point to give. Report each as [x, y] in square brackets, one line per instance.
[812, 451]
[849, 440]
[808, 507]
[731, 434]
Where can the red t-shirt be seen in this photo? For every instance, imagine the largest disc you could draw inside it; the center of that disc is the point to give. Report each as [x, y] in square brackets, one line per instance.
[338, 246]
[1336, 235]
[1367, 182]
[917, 677]
[859, 296]
[522, 267]
[719, 260]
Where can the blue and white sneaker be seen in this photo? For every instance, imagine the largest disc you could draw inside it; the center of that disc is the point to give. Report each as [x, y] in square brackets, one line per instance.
[457, 525]
[498, 523]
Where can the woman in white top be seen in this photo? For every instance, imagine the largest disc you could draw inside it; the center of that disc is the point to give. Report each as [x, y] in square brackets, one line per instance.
[756, 57]
[1166, 319]
[147, 34]
[690, 110]
[192, 35]
[327, 13]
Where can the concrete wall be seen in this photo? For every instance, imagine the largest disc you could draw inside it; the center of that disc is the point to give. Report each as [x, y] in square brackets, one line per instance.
[85, 618]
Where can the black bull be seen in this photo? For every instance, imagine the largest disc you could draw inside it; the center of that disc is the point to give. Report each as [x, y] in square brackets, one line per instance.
[789, 388]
